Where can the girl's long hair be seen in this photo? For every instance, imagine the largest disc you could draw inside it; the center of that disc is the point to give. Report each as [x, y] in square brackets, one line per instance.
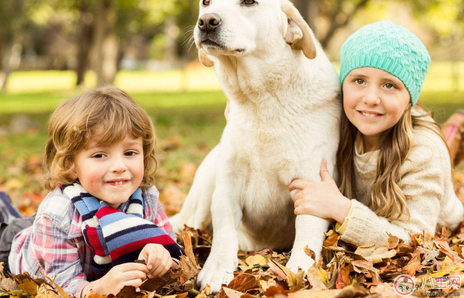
[386, 198]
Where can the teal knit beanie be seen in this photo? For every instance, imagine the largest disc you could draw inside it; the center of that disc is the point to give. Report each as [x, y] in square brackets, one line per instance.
[389, 47]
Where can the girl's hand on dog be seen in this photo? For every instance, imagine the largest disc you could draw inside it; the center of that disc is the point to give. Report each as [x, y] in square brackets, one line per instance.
[157, 258]
[322, 199]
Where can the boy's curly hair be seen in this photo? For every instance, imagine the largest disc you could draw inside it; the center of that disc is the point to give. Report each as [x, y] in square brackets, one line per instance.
[105, 114]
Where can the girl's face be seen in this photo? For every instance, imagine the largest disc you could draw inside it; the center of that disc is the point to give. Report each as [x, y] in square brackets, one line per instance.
[374, 101]
[111, 173]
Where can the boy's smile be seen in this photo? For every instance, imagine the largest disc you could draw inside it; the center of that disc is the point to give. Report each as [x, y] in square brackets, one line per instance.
[374, 101]
[111, 173]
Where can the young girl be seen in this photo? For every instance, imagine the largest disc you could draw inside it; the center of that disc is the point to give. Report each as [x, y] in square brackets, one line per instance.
[104, 212]
[393, 163]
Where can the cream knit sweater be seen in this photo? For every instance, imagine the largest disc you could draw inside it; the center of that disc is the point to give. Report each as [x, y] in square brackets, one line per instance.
[425, 175]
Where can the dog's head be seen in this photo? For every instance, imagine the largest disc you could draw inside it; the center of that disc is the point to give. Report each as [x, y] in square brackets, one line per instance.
[240, 27]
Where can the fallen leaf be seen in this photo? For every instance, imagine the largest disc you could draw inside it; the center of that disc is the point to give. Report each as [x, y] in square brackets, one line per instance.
[414, 264]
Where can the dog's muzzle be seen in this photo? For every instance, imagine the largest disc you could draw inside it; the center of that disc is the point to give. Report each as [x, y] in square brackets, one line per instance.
[209, 22]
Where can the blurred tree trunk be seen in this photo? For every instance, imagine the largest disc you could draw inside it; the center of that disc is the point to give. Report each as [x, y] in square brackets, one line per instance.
[5, 50]
[13, 16]
[86, 21]
[105, 43]
[333, 10]
[171, 31]
[338, 18]
[309, 11]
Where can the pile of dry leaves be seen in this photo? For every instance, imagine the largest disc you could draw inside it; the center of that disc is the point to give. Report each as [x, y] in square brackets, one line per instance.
[344, 271]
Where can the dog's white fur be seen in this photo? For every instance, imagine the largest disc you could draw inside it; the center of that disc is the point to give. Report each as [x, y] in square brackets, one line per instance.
[284, 119]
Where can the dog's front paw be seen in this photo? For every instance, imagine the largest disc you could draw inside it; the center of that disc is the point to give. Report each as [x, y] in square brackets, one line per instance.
[299, 259]
[216, 272]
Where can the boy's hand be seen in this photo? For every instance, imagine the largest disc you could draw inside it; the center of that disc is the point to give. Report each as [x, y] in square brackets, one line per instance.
[157, 258]
[321, 199]
[127, 274]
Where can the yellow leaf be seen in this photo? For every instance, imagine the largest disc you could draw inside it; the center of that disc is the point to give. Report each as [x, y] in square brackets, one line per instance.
[256, 260]
[29, 287]
[59, 289]
[295, 280]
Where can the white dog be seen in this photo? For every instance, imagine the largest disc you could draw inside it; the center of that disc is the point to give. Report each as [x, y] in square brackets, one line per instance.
[284, 119]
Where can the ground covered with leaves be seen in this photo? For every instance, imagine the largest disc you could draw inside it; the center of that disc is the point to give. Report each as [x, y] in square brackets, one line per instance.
[344, 271]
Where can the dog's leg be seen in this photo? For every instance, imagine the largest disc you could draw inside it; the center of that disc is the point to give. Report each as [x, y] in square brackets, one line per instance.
[227, 215]
[310, 231]
[196, 211]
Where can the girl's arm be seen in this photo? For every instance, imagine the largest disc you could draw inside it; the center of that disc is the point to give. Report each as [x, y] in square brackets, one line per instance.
[426, 180]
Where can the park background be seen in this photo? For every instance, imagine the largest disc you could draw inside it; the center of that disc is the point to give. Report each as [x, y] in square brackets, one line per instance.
[55, 49]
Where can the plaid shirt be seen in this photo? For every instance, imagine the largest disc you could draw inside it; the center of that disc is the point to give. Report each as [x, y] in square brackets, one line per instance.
[54, 244]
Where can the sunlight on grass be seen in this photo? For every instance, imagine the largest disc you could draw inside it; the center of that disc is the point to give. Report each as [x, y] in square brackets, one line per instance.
[38, 103]
[189, 79]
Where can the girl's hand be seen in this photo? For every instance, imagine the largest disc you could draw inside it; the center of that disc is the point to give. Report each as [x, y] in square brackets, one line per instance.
[157, 258]
[321, 199]
[127, 274]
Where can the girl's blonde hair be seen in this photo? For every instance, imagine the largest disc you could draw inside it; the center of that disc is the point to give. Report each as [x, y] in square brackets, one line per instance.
[107, 114]
[387, 199]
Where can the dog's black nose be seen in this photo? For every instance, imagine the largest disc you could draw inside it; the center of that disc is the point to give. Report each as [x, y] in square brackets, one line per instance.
[209, 22]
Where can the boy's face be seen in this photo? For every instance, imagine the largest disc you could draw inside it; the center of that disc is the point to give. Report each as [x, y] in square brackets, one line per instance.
[374, 101]
[111, 173]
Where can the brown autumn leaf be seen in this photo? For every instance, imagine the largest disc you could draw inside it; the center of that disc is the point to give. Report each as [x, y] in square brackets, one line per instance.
[331, 240]
[343, 277]
[368, 269]
[232, 293]
[443, 245]
[8, 284]
[310, 253]
[58, 288]
[244, 282]
[29, 286]
[314, 294]
[294, 280]
[375, 254]
[317, 278]
[46, 291]
[354, 290]
[414, 264]
[276, 289]
[153, 284]
[393, 241]
[93, 295]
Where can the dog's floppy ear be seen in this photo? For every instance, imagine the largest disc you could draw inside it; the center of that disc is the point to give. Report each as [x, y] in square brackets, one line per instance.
[298, 32]
[204, 58]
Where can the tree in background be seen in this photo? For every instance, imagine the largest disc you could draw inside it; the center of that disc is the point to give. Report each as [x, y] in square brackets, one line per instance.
[336, 13]
[446, 19]
[15, 16]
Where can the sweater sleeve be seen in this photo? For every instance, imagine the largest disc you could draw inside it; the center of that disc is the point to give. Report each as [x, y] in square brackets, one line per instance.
[422, 181]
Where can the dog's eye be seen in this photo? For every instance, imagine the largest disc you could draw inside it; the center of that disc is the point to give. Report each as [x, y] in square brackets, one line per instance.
[206, 2]
[249, 2]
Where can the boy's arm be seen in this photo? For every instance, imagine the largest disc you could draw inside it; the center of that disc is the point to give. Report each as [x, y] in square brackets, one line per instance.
[57, 256]
[155, 212]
